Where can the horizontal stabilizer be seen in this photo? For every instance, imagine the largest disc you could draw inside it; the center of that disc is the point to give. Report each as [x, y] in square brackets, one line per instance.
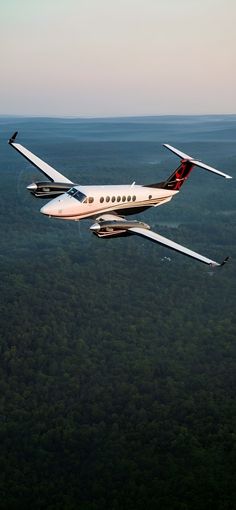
[179, 153]
[195, 162]
[210, 169]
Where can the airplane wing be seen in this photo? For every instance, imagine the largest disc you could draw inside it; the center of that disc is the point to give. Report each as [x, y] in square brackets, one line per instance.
[153, 236]
[110, 225]
[52, 174]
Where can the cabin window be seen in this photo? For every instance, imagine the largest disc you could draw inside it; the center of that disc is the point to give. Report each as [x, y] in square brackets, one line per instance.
[118, 199]
[129, 198]
[150, 196]
[123, 199]
[113, 199]
[102, 200]
[89, 200]
[107, 199]
[133, 198]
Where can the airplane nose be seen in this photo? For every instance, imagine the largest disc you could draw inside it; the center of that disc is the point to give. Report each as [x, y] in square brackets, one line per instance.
[45, 210]
[52, 209]
[60, 207]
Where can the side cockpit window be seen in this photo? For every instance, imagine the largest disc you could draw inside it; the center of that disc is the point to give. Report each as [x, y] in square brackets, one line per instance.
[75, 193]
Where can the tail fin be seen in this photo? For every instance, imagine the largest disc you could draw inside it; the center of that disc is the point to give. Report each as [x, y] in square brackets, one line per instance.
[180, 175]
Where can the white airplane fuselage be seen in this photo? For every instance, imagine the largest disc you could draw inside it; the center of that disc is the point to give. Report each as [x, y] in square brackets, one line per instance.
[88, 201]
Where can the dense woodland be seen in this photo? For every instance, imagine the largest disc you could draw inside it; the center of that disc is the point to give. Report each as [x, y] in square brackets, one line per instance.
[118, 364]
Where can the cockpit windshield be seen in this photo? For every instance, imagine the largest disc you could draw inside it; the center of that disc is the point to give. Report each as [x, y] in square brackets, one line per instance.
[74, 192]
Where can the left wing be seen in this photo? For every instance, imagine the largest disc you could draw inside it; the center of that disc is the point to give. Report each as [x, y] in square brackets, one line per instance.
[112, 225]
[46, 169]
[175, 246]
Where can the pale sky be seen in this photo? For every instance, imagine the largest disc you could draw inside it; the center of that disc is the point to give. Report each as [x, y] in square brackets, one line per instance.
[117, 57]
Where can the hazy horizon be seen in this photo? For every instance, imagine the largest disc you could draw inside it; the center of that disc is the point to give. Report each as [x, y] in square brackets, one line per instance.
[104, 117]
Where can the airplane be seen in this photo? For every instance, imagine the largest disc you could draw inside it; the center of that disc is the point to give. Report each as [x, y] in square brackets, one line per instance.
[109, 205]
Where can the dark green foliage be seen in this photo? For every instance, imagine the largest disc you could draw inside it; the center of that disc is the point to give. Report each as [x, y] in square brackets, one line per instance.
[117, 382]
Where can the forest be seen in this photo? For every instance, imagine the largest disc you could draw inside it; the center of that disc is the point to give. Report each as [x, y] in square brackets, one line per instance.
[118, 356]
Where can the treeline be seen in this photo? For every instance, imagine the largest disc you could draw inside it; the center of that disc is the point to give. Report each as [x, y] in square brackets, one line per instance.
[117, 379]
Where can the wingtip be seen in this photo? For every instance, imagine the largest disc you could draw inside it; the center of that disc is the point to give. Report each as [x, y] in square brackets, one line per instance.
[13, 137]
[217, 264]
[224, 261]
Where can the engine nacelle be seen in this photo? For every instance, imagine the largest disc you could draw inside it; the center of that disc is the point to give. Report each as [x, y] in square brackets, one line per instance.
[48, 189]
[118, 228]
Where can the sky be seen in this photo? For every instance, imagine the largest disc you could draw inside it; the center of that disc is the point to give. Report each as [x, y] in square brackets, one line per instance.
[102, 58]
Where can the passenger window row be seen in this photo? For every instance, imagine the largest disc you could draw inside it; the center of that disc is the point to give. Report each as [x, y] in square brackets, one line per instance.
[90, 200]
[118, 199]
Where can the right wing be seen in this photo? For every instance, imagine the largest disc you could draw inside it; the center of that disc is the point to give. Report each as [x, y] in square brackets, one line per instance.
[52, 174]
[174, 246]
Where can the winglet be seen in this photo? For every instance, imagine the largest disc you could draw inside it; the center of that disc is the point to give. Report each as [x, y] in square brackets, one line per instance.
[13, 137]
[216, 264]
[224, 261]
